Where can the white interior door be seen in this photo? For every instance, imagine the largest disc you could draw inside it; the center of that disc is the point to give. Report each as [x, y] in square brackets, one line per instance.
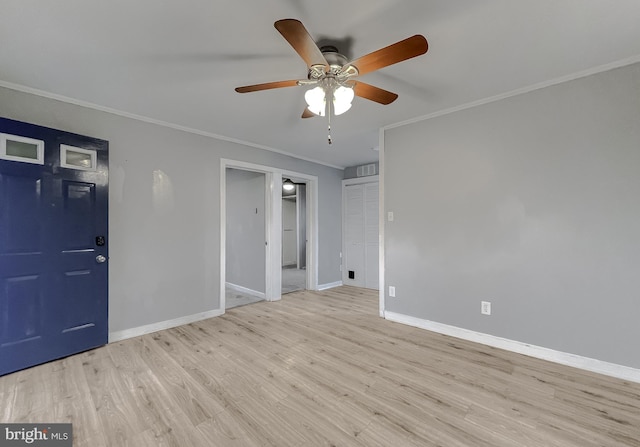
[360, 247]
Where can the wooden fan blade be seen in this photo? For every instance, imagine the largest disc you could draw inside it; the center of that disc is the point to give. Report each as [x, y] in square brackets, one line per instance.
[266, 86]
[397, 52]
[307, 113]
[373, 93]
[299, 38]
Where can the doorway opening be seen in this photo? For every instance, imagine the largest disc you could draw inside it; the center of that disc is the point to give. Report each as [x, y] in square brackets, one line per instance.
[294, 236]
[271, 249]
[245, 281]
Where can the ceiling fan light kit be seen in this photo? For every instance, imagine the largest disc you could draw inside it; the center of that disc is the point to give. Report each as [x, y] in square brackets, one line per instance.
[333, 77]
[316, 98]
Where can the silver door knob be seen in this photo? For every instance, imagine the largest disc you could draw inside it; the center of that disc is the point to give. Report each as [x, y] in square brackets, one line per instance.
[100, 259]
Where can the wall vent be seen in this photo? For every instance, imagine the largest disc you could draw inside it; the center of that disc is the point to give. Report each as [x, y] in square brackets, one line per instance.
[366, 170]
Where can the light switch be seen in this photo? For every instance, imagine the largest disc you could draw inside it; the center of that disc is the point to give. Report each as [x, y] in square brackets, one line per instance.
[390, 216]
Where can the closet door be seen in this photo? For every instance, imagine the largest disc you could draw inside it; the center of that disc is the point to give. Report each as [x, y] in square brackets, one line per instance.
[360, 247]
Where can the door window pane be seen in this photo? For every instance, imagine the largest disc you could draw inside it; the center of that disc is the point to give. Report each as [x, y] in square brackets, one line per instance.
[77, 158]
[17, 148]
[22, 150]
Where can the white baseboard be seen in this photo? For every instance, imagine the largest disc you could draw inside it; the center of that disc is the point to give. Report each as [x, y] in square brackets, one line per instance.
[330, 285]
[162, 325]
[588, 364]
[245, 290]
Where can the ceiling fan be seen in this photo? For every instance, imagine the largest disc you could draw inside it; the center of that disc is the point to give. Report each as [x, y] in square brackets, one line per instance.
[333, 76]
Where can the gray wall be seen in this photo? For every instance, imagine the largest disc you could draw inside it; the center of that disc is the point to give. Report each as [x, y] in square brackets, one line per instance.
[164, 221]
[532, 203]
[245, 248]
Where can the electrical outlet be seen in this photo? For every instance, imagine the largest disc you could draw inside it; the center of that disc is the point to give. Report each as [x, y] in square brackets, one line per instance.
[392, 291]
[485, 307]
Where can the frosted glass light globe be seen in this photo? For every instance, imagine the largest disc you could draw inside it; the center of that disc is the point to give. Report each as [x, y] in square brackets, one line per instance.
[342, 98]
[315, 99]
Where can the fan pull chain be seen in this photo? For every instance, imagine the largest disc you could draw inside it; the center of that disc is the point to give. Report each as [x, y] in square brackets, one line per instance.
[329, 122]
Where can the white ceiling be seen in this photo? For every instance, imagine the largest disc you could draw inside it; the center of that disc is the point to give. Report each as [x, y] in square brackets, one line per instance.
[179, 61]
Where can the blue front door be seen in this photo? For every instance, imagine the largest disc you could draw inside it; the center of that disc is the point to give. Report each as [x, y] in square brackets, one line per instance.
[53, 244]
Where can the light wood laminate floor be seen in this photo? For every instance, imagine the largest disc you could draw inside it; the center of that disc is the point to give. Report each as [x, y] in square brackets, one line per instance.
[319, 369]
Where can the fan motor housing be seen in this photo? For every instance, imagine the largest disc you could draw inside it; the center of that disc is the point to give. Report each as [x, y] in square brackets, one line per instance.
[335, 60]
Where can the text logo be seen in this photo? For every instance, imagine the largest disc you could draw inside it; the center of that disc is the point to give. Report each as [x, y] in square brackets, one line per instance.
[36, 435]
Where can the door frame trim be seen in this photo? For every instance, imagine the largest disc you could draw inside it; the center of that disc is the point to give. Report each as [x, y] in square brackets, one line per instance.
[273, 226]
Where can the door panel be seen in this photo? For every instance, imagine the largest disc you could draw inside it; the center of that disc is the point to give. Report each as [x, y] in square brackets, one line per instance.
[53, 292]
[79, 201]
[24, 302]
[354, 234]
[20, 207]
